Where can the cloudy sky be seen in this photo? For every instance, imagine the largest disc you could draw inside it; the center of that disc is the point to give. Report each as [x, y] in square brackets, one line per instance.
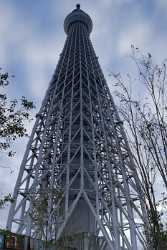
[32, 37]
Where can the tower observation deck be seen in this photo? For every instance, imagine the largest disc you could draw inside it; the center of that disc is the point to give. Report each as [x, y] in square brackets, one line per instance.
[77, 182]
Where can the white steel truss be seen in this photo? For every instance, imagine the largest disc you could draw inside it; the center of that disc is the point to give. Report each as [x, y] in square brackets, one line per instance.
[78, 160]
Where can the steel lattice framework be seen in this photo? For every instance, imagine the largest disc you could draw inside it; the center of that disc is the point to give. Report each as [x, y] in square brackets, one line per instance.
[78, 162]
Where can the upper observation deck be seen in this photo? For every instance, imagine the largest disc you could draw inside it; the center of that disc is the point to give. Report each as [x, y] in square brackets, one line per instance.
[78, 15]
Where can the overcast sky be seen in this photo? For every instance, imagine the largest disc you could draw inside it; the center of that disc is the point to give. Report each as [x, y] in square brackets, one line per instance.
[32, 37]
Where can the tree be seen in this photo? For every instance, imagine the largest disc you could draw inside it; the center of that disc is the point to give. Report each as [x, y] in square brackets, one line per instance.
[145, 120]
[42, 213]
[13, 115]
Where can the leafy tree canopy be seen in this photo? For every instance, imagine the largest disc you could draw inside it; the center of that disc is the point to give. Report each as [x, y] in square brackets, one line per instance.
[13, 116]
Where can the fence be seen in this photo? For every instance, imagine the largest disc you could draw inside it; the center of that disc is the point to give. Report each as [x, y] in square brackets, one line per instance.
[12, 241]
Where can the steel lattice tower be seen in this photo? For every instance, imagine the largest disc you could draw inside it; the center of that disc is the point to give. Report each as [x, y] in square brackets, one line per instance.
[78, 170]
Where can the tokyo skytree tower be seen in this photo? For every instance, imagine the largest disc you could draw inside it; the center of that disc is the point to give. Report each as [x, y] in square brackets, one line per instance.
[77, 183]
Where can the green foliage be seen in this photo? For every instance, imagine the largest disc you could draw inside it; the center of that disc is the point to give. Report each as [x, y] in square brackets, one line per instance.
[163, 241]
[41, 212]
[5, 232]
[6, 199]
[13, 115]
[4, 78]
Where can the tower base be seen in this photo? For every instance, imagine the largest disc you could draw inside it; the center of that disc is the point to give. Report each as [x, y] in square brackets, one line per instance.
[82, 241]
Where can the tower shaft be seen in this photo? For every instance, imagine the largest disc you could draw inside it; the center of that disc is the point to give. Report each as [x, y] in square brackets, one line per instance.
[77, 176]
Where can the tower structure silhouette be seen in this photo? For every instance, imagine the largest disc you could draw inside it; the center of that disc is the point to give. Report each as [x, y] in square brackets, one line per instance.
[77, 180]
